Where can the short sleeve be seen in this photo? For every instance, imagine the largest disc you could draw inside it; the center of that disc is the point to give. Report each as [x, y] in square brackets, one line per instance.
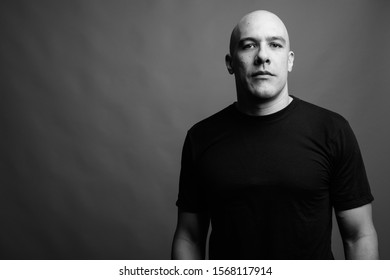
[350, 187]
[191, 196]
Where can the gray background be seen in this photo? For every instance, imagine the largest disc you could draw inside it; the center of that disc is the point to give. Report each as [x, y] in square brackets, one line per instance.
[96, 98]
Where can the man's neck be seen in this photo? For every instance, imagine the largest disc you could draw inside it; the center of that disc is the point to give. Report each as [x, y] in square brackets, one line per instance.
[265, 107]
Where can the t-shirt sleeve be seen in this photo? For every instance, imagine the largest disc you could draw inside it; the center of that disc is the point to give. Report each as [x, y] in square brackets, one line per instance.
[350, 187]
[191, 196]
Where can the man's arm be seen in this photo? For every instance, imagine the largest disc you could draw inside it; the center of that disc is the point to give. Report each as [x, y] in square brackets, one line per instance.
[189, 241]
[358, 233]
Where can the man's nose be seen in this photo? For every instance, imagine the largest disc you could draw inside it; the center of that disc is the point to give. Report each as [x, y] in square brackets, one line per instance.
[262, 56]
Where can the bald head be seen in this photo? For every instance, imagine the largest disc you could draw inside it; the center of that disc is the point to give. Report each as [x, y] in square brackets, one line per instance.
[260, 19]
[260, 59]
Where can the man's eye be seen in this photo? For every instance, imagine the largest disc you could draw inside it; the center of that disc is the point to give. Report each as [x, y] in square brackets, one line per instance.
[249, 46]
[275, 45]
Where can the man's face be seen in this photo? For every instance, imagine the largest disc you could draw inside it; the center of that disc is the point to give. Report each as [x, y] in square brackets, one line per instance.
[260, 56]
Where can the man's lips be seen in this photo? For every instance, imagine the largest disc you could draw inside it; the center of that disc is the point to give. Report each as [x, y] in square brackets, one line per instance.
[262, 74]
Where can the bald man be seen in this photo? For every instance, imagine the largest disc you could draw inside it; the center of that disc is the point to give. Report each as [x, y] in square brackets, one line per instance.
[268, 169]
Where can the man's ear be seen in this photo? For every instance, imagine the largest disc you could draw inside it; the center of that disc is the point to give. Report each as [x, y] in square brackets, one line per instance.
[290, 62]
[228, 62]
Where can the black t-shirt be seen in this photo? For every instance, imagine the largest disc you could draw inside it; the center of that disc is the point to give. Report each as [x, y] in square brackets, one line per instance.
[269, 182]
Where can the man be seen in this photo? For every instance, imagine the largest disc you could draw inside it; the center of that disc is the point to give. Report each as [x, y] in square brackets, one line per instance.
[268, 169]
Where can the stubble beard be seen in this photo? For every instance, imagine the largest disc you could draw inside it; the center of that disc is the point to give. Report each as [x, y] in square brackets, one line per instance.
[262, 91]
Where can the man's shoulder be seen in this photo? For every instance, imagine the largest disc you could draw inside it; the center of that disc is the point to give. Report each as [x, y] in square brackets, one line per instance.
[214, 121]
[317, 113]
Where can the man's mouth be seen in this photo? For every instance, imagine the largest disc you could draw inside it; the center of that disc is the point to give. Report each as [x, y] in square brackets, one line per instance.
[262, 74]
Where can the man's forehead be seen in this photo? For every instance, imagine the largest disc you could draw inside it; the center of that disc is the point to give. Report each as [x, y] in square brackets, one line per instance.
[265, 24]
[256, 24]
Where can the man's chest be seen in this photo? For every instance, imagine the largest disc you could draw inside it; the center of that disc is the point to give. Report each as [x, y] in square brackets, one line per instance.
[297, 163]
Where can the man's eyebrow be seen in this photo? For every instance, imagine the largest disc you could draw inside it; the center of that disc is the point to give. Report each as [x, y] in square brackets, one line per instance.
[268, 39]
[246, 39]
[276, 38]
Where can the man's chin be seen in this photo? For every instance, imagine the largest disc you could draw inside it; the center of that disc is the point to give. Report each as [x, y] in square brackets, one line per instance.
[265, 95]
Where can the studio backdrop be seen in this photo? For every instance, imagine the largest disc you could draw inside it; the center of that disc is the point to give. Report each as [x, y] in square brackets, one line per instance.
[96, 98]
